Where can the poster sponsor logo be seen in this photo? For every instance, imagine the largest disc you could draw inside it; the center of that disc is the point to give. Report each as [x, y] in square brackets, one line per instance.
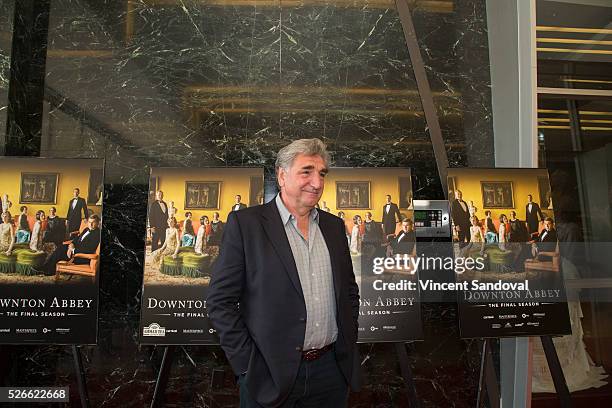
[508, 316]
[154, 330]
[193, 331]
[3, 330]
[26, 331]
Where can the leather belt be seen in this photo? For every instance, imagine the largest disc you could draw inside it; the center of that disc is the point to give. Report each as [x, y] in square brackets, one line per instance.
[315, 354]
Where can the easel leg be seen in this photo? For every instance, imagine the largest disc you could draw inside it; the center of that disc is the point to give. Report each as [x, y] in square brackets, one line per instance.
[556, 372]
[407, 374]
[481, 377]
[162, 377]
[487, 382]
[80, 375]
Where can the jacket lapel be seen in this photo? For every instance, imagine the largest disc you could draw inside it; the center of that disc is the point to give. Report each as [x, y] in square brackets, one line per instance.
[326, 228]
[275, 231]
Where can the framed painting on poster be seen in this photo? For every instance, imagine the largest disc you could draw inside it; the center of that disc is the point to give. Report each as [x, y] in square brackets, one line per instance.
[497, 194]
[38, 188]
[353, 195]
[202, 195]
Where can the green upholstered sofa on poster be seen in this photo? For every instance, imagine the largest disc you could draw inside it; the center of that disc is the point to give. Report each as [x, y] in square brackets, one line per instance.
[22, 261]
[187, 263]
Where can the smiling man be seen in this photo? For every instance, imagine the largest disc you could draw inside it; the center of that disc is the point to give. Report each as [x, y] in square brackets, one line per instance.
[283, 296]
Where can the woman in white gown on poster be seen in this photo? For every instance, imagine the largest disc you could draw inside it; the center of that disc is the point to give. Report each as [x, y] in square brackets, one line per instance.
[171, 245]
[356, 235]
[36, 242]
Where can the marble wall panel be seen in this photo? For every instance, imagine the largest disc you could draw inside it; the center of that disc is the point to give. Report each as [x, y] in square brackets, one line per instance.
[6, 38]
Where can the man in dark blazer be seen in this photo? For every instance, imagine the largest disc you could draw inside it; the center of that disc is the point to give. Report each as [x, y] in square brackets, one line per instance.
[283, 296]
[391, 216]
[238, 205]
[532, 211]
[85, 243]
[461, 216]
[405, 240]
[76, 207]
[158, 220]
[547, 240]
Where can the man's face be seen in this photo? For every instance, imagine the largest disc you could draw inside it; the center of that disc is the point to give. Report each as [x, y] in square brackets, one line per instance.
[159, 196]
[529, 198]
[238, 199]
[75, 192]
[406, 227]
[302, 184]
[92, 223]
[548, 225]
[388, 199]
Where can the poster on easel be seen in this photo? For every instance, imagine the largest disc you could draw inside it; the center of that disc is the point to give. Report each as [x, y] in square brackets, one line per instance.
[50, 239]
[187, 212]
[376, 206]
[506, 250]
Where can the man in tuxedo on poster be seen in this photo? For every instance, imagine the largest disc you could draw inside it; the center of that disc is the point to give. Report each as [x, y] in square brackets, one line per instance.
[85, 243]
[391, 216]
[292, 339]
[76, 207]
[461, 216]
[238, 205]
[158, 220]
[533, 215]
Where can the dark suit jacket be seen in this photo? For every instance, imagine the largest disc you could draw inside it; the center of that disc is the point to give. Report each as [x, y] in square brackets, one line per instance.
[74, 215]
[157, 217]
[373, 233]
[461, 217]
[532, 216]
[241, 207]
[89, 244]
[389, 219]
[548, 243]
[264, 336]
[403, 243]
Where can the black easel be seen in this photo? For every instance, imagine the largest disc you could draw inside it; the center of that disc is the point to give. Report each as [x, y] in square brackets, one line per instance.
[406, 371]
[556, 372]
[487, 382]
[488, 379]
[80, 375]
[162, 377]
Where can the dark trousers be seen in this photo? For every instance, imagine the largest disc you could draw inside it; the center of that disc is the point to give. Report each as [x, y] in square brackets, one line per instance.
[158, 238]
[319, 384]
[60, 254]
[464, 233]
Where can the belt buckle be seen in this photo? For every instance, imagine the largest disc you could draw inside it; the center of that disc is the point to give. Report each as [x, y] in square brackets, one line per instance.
[311, 355]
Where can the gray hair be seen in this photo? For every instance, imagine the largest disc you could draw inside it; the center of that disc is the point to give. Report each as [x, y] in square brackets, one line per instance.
[307, 147]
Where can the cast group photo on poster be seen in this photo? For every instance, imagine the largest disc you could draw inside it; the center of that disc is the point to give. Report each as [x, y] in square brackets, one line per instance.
[50, 238]
[504, 219]
[376, 207]
[188, 209]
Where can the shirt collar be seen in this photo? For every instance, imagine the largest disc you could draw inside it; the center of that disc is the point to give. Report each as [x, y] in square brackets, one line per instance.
[286, 216]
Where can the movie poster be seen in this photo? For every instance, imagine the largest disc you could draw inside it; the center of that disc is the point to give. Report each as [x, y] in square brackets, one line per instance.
[509, 279]
[50, 237]
[376, 206]
[187, 213]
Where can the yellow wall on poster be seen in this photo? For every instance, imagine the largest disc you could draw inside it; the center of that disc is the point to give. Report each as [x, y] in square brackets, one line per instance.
[524, 181]
[383, 181]
[72, 173]
[233, 181]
